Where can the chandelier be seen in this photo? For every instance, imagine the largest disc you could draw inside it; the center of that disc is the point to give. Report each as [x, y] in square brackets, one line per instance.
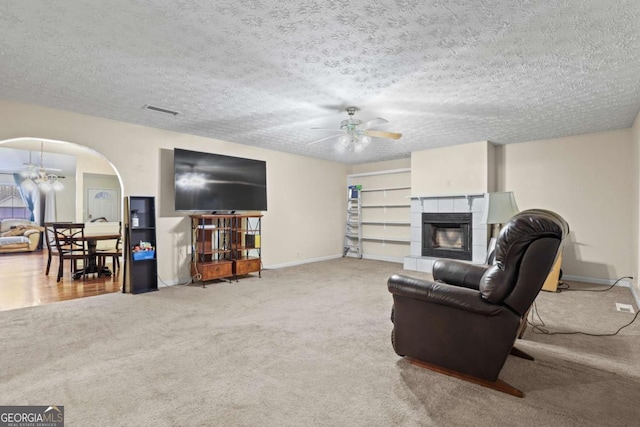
[37, 175]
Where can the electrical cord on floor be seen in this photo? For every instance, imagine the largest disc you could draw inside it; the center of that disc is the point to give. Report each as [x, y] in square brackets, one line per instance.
[568, 288]
[540, 328]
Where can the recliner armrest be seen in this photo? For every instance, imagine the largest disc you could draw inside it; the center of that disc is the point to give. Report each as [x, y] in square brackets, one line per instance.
[442, 294]
[459, 273]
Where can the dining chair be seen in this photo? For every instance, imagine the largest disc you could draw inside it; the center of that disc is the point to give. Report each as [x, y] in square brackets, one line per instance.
[70, 245]
[110, 248]
[50, 241]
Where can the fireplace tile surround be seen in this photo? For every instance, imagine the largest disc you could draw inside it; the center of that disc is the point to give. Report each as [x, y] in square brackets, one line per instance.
[458, 203]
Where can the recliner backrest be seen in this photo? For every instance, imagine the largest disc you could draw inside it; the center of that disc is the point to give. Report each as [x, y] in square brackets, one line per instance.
[526, 249]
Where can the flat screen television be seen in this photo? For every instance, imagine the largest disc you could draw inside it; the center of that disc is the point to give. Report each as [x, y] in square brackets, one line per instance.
[217, 183]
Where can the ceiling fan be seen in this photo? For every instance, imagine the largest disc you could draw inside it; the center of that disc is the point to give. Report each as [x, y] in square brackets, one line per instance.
[39, 175]
[355, 135]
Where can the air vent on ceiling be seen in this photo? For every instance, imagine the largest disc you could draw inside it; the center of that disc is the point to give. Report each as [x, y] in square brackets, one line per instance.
[160, 110]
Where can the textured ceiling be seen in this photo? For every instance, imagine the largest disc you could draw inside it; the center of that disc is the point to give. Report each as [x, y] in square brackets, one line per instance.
[263, 73]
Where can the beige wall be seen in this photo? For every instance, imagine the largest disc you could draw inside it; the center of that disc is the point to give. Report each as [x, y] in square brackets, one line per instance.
[381, 166]
[591, 180]
[458, 169]
[635, 252]
[306, 215]
[588, 180]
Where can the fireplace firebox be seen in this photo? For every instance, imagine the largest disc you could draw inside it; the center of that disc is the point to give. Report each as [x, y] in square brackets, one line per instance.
[447, 235]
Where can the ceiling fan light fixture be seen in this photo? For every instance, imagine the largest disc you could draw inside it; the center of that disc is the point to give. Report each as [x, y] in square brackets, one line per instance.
[57, 185]
[357, 134]
[45, 186]
[344, 141]
[29, 185]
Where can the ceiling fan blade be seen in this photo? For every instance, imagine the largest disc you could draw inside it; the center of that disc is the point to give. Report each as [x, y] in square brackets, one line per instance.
[324, 138]
[374, 122]
[35, 166]
[382, 134]
[333, 129]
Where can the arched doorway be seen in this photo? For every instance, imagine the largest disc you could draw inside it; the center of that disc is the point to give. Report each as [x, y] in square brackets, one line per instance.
[77, 169]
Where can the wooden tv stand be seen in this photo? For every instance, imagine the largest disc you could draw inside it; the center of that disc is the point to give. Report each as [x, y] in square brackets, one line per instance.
[225, 246]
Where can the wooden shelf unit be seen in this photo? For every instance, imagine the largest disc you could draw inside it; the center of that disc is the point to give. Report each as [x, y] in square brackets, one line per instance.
[246, 244]
[225, 246]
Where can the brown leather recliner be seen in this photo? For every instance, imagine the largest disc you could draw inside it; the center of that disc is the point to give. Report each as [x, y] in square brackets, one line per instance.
[465, 322]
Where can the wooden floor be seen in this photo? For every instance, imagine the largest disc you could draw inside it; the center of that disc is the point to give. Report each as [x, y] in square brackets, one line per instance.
[24, 284]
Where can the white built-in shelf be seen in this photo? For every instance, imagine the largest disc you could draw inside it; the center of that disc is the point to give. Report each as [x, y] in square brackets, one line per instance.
[387, 206]
[387, 222]
[386, 189]
[387, 239]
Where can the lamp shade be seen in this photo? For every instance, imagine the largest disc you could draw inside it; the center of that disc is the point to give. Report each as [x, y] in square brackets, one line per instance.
[499, 207]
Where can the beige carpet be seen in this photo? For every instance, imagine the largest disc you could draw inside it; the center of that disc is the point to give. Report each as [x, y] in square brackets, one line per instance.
[306, 345]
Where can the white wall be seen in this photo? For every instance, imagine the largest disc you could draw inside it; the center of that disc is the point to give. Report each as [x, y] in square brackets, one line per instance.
[588, 179]
[306, 215]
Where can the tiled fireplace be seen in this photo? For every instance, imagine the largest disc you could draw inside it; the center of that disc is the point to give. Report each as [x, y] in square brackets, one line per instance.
[446, 227]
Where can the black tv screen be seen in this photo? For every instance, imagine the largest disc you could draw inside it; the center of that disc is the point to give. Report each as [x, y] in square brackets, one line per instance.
[214, 182]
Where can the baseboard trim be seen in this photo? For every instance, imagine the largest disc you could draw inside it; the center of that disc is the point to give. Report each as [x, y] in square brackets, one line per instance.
[165, 284]
[623, 283]
[300, 262]
[398, 260]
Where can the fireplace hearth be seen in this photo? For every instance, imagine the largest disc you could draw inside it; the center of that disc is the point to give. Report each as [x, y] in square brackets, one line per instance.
[447, 235]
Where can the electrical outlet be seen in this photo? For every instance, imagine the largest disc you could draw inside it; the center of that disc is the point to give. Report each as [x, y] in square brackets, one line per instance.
[625, 308]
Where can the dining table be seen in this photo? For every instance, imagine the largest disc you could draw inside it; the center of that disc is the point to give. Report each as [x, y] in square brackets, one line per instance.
[91, 238]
